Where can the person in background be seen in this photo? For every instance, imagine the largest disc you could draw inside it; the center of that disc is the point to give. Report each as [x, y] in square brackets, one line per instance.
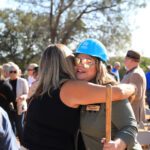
[115, 70]
[34, 85]
[7, 138]
[89, 64]
[135, 75]
[5, 68]
[6, 95]
[20, 91]
[30, 71]
[148, 87]
[35, 72]
[53, 115]
[109, 68]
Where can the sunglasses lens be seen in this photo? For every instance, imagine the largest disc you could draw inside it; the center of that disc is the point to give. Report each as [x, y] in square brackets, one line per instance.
[87, 63]
[30, 69]
[86, 66]
[13, 72]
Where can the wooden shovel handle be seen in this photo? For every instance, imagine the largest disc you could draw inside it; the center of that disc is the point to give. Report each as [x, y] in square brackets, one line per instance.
[108, 112]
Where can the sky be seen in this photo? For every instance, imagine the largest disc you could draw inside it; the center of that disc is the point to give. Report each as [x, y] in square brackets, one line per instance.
[140, 36]
[7, 3]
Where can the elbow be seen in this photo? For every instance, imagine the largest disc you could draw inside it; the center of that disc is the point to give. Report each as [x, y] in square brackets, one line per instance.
[119, 94]
[126, 92]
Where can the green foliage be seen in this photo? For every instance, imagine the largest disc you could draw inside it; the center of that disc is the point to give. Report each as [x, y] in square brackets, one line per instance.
[24, 33]
[144, 63]
[24, 37]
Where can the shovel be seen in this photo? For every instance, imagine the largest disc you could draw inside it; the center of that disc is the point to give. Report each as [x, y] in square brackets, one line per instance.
[108, 112]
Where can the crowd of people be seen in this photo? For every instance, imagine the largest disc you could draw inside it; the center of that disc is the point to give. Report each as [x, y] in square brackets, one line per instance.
[61, 103]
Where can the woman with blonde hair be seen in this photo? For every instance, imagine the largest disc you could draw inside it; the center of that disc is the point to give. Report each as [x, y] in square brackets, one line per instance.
[91, 56]
[53, 114]
[20, 91]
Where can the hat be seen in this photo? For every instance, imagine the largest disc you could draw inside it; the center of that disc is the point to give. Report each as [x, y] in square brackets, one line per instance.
[133, 54]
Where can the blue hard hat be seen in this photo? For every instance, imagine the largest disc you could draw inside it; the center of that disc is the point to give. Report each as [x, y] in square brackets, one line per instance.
[93, 48]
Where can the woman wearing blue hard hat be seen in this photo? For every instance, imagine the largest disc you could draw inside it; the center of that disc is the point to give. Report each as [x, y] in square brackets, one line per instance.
[90, 55]
[52, 119]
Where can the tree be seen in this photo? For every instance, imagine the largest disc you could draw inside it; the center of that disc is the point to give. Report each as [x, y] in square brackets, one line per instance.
[25, 32]
[22, 37]
[73, 20]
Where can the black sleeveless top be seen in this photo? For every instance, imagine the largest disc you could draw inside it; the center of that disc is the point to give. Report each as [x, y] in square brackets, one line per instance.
[50, 124]
[13, 83]
[6, 95]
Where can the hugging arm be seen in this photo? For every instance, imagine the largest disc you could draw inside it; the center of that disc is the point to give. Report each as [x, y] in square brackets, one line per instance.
[74, 93]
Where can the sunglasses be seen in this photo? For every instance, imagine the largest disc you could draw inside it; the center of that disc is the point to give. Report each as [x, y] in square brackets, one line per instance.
[30, 69]
[12, 71]
[86, 62]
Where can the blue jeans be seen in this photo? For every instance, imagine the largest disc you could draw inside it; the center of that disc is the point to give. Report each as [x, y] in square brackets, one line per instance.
[17, 122]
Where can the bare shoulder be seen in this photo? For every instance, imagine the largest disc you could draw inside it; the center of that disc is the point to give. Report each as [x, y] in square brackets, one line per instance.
[67, 92]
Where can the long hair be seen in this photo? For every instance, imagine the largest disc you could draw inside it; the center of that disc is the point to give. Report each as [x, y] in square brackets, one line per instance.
[54, 68]
[103, 77]
[1, 73]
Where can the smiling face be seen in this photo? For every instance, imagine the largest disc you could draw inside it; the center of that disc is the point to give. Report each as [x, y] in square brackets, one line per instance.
[85, 67]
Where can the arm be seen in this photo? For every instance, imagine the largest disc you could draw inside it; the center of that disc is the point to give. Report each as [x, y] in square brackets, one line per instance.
[23, 95]
[74, 93]
[25, 88]
[21, 100]
[124, 120]
[138, 81]
[7, 137]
